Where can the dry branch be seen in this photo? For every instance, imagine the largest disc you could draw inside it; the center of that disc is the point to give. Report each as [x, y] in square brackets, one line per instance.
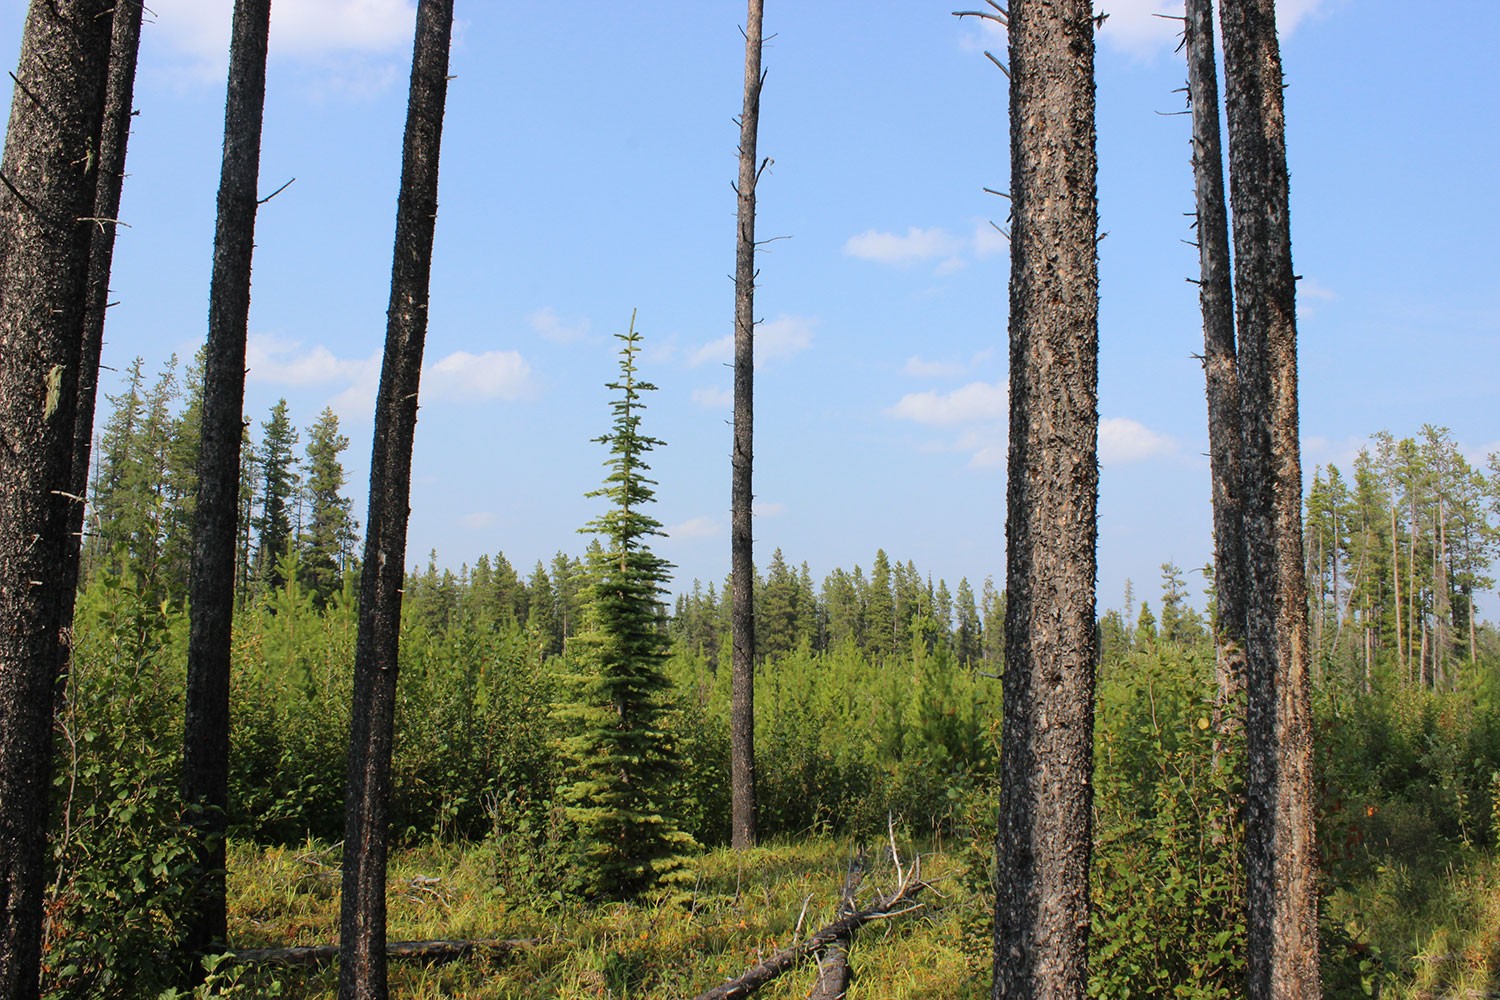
[422, 951]
[901, 900]
[833, 961]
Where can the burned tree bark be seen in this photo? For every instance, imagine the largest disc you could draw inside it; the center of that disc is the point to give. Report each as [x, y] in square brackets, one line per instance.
[1043, 846]
[1280, 865]
[114, 139]
[205, 732]
[362, 956]
[48, 185]
[1216, 296]
[742, 494]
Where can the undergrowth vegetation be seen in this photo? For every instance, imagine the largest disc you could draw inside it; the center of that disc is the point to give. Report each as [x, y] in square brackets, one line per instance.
[1409, 792]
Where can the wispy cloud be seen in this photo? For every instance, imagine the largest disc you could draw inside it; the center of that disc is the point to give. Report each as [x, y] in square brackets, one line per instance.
[460, 376]
[779, 339]
[331, 35]
[952, 251]
[918, 367]
[893, 248]
[713, 397]
[695, 528]
[967, 404]
[1123, 441]
[978, 413]
[478, 519]
[1144, 28]
[491, 375]
[550, 326]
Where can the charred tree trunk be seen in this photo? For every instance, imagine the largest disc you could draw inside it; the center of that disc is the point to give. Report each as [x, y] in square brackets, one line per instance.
[1216, 295]
[742, 555]
[48, 186]
[1281, 885]
[362, 957]
[1043, 847]
[114, 139]
[205, 742]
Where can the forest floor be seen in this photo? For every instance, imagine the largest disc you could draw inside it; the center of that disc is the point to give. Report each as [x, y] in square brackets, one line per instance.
[731, 911]
[1422, 932]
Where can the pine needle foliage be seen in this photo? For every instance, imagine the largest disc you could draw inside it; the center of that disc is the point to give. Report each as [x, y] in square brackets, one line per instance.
[621, 760]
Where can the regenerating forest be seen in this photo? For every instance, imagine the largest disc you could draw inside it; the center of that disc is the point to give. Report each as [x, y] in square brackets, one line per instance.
[246, 751]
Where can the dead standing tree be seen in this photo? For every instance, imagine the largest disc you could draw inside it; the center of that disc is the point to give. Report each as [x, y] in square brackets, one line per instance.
[48, 187]
[1216, 297]
[362, 955]
[1280, 867]
[1044, 840]
[205, 733]
[742, 494]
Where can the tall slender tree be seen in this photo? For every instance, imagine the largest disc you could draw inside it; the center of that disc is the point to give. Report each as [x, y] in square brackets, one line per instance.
[46, 202]
[329, 534]
[1281, 889]
[205, 743]
[362, 966]
[1216, 299]
[114, 139]
[1046, 801]
[742, 493]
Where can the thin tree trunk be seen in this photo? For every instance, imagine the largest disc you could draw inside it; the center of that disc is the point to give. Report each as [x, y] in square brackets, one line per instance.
[46, 200]
[1044, 841]
[205, 743]
[742, 556]
[1281, 886]
[362, 959]
[115, 138]
[1401, 658]
[1216, 296]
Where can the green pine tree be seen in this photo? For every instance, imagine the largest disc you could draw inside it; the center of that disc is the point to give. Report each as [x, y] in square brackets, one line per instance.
[328, 540]
[620, 759]
[278, 467]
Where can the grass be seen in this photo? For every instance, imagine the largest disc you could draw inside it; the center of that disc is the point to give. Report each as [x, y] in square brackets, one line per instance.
[731, 911]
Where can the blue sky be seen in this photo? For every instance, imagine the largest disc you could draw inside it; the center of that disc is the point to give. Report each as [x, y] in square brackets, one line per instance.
[587, 163]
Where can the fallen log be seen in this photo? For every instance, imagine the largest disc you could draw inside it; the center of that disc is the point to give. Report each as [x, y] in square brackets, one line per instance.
[420, 951]
[901, 900]
[834, 973]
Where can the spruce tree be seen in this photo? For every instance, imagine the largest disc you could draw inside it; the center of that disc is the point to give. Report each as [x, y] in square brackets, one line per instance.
[621, 761]
[279, 483]
[329, 536]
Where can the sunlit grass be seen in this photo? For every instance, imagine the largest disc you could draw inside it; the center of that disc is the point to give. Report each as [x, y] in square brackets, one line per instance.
[731, 911]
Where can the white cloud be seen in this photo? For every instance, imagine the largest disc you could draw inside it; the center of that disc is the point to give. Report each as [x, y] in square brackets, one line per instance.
[779, 339]
[303, 27]
[550, 326]
[1309, 288]
[890, 248]
[491, 375]
[987, 240]
[477, 520]
[695, 528]
[920, 368]
[966, 404]
[269, 358]
[1135, 27]
[1123, 441]
[713, 398]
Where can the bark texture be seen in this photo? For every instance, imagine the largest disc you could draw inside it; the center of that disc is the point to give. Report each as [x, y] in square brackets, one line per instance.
[1043, 847]
[48, 184]
[1216, 296]
[205, 745]
[119, 99]
[1280, 865]
[742, 494]
[362, 956]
